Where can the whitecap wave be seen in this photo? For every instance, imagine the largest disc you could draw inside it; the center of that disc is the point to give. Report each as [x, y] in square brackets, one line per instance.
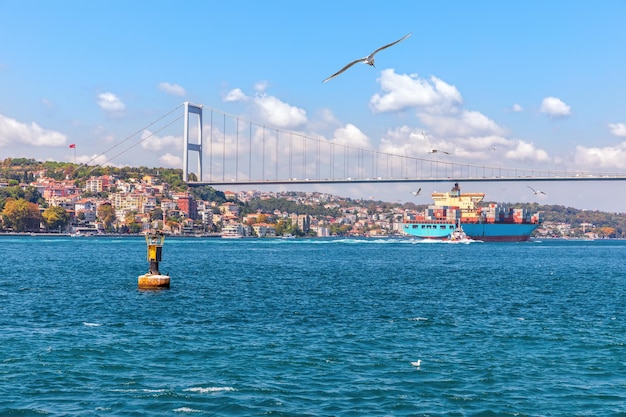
[85, 323]
[187, 410]
[204, 390]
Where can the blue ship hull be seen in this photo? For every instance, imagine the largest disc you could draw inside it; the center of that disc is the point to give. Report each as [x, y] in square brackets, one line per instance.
[487, 232]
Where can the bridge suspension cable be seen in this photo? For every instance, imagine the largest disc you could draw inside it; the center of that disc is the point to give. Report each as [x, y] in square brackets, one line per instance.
[135, 134]
[300, 158]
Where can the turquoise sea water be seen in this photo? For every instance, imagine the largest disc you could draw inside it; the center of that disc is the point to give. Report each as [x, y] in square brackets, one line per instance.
[313, 328]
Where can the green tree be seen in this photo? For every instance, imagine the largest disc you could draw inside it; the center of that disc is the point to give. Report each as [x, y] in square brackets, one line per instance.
[135, 227]
[606, 232]
[156, 214]
[55, 217]
[22, 215]
[280, 227]
[29, 194]
[207, 193]
[106, 214]
[339, 229]
[129, 217]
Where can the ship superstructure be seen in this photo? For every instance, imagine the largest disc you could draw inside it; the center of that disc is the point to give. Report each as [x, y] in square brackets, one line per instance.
[494, 222]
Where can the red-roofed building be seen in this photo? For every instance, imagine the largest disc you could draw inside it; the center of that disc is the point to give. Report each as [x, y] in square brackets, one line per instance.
[186, 204]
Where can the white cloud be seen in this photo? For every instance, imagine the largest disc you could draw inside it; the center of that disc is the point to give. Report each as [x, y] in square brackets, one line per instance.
[438, 109]
[269, 109]
[170, 160]
[526, 151]
[173, 89]
[403, 91]
[554, 107]
[618, 129]
[95, 159]
[516, 108]
[150, 141]
[607, 157]
[261, 86]
[489, 148]
[439, 105]
[350, 135]
[411, 141]
[328, 116]
[323, 122]
[465, 123]
[405, 140]
[13, 132]
[235, 95]
[110, 102]
[278, 113]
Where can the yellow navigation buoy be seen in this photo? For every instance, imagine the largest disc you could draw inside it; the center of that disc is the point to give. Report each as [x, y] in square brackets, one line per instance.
[154, 279]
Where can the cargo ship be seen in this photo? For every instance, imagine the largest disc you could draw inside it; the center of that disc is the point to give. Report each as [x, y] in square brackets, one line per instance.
[492, 223]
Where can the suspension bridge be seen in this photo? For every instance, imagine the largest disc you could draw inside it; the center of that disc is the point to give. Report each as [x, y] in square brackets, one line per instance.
[220, 149]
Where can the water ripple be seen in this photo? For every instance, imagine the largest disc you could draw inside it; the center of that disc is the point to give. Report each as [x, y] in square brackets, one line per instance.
[313, 327]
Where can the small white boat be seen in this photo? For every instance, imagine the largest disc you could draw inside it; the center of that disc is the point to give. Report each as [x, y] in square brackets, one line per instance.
[459, 236]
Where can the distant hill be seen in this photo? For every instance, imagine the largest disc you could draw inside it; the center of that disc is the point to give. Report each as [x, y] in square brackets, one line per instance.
[25, 170]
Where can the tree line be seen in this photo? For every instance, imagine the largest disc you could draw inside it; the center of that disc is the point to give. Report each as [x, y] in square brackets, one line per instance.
[20, 207]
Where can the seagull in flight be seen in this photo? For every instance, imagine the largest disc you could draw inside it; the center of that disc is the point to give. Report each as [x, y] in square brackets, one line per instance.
[438, 151]
[369, 60]
[535, 191]
[416, 193]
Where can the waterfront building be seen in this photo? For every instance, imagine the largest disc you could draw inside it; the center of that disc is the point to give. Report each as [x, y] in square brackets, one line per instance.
[87, 207]
[264, 230]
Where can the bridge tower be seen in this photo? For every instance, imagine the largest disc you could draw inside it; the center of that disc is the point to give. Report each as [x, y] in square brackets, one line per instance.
[192, 147]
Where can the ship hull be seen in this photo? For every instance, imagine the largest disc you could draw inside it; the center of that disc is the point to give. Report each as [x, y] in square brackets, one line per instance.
[486, 232]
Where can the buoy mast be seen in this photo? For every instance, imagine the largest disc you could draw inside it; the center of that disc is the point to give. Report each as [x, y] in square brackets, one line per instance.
[155, 250]
[154, 279]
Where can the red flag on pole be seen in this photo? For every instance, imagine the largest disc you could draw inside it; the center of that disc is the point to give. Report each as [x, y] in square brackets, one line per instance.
[73, 145]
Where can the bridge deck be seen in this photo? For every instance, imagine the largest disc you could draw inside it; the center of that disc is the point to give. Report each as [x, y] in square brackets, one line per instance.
[409, 180]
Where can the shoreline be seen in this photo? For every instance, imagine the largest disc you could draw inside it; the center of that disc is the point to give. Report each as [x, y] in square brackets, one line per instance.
[218, 236]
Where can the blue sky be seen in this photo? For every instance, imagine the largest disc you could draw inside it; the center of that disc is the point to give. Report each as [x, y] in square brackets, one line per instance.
[542, 82]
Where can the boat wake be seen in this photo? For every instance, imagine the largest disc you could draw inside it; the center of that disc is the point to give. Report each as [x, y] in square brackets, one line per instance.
[359, 241]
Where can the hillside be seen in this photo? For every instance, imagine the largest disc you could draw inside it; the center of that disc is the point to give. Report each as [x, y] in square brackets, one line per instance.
[14, 171]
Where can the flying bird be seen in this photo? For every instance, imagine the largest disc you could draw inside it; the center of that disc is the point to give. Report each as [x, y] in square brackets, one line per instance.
[535, 191]
[438, 151]
[416, 193]
[369, 60]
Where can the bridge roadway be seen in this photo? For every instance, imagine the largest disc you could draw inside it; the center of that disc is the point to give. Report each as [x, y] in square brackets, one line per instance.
[573, 177]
